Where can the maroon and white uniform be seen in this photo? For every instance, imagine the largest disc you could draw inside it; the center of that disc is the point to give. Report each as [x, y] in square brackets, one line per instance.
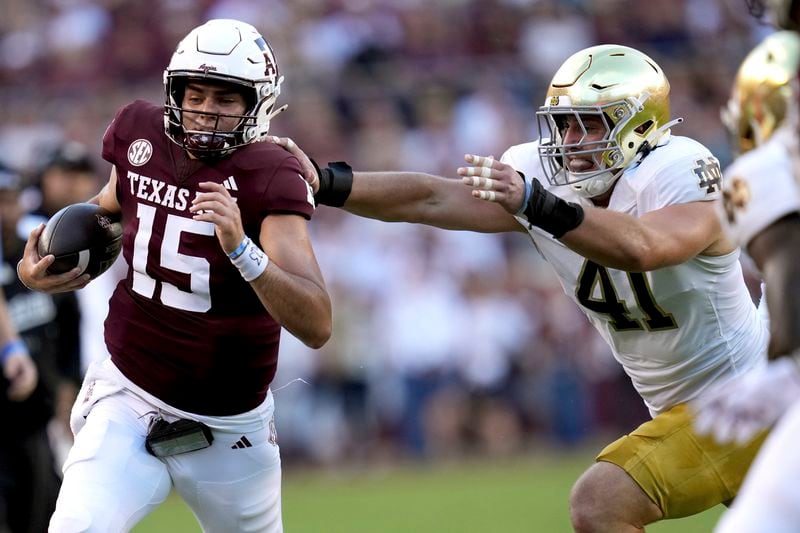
[188, 338]
[184, 325]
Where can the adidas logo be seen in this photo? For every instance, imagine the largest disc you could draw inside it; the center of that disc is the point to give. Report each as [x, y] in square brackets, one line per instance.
[242, 443]
[230, 184]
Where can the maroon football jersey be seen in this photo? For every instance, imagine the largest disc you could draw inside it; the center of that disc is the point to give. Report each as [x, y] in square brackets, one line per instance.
[184, 325]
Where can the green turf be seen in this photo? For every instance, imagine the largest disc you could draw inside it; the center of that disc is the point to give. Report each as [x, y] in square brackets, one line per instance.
[507, 497]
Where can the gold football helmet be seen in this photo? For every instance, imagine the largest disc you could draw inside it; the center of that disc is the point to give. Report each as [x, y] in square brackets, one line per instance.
[622, 86]
[764, 87]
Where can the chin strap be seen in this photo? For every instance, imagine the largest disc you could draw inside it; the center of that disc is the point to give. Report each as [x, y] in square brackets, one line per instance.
[674, 122]
[277, 112]
[660, 134]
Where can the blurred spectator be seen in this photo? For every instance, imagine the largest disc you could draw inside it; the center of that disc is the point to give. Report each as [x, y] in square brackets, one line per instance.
[66, 175]
[29, 481]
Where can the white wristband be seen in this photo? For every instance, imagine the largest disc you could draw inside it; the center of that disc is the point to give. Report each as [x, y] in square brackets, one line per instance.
[252, 261]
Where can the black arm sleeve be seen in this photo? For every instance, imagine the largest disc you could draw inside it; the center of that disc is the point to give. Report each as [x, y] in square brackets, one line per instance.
[549, 212]
[335, 183]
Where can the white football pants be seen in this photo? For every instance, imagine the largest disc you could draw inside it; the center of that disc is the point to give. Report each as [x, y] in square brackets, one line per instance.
[111, 482]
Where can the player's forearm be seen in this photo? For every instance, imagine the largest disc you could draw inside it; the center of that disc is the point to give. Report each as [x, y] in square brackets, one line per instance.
[616, 240]
[664, 237]
[107, 197]
[425, 199]
[784, 313]
[774, 251]
[393, 196]
[297, 304]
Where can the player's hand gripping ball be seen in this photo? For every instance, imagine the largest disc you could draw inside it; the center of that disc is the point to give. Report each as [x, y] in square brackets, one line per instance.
[82, 235]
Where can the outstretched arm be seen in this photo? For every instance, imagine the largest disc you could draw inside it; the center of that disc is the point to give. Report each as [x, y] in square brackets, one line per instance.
[411, 197]
[425, 199]
[661, 238]
[668, 236]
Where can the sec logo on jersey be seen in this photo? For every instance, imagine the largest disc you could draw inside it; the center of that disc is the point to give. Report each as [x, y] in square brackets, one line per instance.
[139, 152]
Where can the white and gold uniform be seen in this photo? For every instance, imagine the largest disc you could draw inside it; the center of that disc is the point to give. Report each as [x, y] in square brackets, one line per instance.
[676, 331]
[760, 188]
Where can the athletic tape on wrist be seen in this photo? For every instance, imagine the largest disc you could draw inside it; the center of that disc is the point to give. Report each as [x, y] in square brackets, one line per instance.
[252, 261]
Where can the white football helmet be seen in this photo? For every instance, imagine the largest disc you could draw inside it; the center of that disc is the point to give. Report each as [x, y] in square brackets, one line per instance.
[627, 90]
[229, 51]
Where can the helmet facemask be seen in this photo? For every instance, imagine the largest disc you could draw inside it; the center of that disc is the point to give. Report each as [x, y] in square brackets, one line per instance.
[605, 151]
[232, 54]
[212, 138]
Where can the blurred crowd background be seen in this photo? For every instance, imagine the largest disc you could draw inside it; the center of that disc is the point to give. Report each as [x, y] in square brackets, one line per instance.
[445, 344]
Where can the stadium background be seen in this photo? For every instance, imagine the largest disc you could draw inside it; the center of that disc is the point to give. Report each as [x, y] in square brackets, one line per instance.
[448, 348]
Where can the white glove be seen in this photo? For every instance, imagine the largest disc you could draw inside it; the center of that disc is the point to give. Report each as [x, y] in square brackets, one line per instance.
[747, 404]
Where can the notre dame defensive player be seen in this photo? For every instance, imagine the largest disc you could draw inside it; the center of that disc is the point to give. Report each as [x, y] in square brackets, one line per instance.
[626, 214]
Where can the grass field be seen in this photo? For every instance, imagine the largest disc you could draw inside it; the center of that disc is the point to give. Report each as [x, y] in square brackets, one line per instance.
[524, 495]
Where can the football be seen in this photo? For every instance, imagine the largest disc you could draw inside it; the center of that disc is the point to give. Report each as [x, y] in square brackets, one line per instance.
[82, 235]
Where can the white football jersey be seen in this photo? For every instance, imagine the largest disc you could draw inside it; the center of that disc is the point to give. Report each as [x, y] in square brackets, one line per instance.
[760, 188]
[676, 330]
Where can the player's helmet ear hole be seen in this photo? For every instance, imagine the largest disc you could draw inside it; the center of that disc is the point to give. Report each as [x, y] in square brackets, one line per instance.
[643, 127]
